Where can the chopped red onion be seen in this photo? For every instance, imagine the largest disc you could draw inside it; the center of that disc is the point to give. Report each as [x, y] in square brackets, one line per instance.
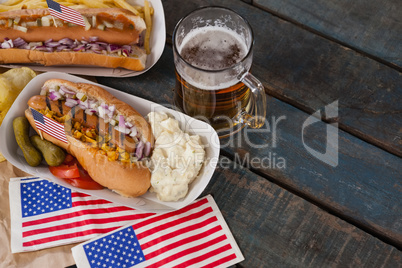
[43, 48]
[94, 47]
[112, 108]
[93, 39]
[83, 104]
[7, 44]
[147, 148]
[60, 48]
[66, 41]
[19, 42]
[109, 114]
[66, 90]
[90, 111]
[101, 112]
[54, 95]
[80, 48]
[122, 130]
[91, 103]
[127, 47]
[139, 150]
[52, 44]
[113, 48]
[71, 102]
[133, 131]
[122, 123]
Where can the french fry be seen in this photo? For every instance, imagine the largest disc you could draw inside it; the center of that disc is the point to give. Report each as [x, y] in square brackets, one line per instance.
[78, 6]
[36, 5]
[148, 22]
[12, 2]
[73, 1]
[124, 4]
[66, 3]
[94, 4]
[141, 9]
[4, 8]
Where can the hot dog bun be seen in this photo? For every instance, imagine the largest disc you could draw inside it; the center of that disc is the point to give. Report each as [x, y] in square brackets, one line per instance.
[123, 29]
[15, 55]
[127, 179]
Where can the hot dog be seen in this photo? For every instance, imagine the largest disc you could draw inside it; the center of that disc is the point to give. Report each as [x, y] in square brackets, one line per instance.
[113, 153]
[111, 38]
[88, 120]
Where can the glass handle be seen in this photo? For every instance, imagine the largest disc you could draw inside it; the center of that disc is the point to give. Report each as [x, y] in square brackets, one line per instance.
[257, 119]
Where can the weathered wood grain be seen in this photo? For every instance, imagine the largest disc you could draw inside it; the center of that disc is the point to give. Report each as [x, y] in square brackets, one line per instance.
[309, 72]
[364, 188]
[374, 27]
[275, 228]
[364, 185]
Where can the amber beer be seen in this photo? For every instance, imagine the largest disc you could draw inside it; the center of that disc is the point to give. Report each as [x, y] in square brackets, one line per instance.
[199, 92]
[213, 52]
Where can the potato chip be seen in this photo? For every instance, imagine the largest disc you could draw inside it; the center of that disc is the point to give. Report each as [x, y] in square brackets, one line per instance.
[11, 84]
[19, 77]
[7, 94]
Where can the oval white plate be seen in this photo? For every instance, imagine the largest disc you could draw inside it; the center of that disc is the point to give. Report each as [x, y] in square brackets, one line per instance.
[147, 202]
[157, 43]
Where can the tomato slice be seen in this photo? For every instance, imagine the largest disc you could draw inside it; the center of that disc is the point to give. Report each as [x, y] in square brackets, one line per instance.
[72, 172]
[84, 181]
[65, 171]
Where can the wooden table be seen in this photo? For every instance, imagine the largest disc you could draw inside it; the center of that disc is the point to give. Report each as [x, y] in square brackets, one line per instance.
[284, 206]
[310, 54]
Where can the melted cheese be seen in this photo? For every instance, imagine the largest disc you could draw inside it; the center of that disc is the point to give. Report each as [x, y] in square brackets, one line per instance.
[176, 160]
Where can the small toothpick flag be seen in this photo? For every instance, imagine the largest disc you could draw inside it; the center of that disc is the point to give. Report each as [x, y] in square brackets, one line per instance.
[49, 126]
[65, 13]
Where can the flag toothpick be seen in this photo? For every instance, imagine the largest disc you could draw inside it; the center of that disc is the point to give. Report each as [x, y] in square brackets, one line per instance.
[65, 13]
[49, 126]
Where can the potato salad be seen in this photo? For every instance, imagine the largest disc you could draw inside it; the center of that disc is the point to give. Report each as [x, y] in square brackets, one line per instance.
[176, 160]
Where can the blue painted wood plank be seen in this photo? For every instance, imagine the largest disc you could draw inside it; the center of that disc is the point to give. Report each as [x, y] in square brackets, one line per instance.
[372, 27]
[351, 178]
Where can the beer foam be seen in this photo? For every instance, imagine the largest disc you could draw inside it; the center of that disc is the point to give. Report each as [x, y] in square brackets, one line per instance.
[211, 48]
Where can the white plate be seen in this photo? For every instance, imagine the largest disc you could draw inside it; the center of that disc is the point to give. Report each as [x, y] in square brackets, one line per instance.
[147, 202]
[157, 43]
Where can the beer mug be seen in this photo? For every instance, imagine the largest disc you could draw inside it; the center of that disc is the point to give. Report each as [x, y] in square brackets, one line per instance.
[213, 50]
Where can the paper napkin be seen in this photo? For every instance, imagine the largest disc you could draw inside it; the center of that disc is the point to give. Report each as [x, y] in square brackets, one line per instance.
[194, 236]
[45, 214]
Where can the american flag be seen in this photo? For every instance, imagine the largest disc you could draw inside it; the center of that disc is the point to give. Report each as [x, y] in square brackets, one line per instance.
[45, 214]
[65, 13]
[194, 236]
[49, 126]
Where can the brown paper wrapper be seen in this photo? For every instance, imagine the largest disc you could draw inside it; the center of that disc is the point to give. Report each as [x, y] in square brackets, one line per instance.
[53, 257]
